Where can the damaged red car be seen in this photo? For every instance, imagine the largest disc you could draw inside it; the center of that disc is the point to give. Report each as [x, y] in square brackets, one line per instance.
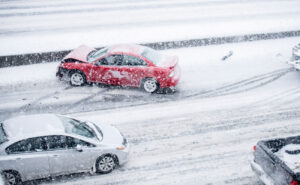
[124, 65]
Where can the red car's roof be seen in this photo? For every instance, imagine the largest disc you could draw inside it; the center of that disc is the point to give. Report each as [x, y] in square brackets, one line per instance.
[127, 48]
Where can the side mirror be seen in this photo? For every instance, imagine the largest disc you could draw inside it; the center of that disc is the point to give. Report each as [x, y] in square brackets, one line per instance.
[79, 148]
[97, 63]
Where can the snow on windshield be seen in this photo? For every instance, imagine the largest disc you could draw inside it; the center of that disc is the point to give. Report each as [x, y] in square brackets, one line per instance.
[290, 154]
[74, 126]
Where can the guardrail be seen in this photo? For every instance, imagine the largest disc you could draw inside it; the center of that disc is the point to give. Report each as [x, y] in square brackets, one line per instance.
[33, 58]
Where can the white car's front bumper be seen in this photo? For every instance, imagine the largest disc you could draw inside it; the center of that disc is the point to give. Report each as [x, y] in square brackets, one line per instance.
[295, 63]
[123, 155]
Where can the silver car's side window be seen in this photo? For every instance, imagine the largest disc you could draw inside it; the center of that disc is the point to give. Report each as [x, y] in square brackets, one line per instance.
[36, 144]
[59, 142]
[56, 142]
[73, 142]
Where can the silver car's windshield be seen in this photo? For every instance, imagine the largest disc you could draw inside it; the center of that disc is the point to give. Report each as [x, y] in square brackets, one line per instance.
[94, 55]
[3, 137]
[73, 126]
[152, 55]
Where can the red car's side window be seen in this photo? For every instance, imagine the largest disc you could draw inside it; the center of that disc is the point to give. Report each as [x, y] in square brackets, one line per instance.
[111, 60]
[121, 60]
[133, 61]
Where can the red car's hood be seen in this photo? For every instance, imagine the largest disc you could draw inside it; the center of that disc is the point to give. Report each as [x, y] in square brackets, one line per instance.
[169, 61]
[80, 53]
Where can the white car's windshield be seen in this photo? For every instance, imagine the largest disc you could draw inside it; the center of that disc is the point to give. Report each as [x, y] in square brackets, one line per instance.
[94, 55]
[152, 55]
[3, 137]
[73, 126]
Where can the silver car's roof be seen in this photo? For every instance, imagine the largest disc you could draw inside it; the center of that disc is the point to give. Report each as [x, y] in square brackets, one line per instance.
[33, 125]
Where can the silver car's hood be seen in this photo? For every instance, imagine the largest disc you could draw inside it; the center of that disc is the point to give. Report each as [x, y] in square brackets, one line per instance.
[110, 134]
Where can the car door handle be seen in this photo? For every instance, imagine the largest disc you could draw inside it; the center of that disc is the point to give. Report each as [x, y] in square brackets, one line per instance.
[55, 155]
[18, 158]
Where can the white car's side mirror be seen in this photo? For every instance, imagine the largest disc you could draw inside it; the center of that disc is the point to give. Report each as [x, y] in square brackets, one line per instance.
[79, 148]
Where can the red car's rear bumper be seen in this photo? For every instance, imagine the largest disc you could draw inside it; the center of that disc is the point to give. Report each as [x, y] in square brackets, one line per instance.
[172, 81]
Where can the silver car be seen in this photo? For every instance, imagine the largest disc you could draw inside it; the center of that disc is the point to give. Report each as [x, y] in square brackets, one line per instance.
[38, 146]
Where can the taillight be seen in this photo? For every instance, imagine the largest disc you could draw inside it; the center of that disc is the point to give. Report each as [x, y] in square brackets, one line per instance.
[293, 182]
[254, 149]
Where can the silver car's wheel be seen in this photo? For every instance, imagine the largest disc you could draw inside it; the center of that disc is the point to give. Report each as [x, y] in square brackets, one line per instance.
[77, 78]
[105, 164]
[150, 85]
[11, 178]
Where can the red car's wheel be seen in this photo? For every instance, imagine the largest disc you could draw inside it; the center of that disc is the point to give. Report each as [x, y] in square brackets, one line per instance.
[150, 85]
[77, 78]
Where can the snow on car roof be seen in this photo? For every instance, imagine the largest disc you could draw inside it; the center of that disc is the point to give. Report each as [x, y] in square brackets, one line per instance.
[32, 125]
[127, 48]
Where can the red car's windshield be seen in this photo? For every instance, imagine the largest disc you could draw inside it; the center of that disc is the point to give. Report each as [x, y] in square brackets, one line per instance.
[94, 55]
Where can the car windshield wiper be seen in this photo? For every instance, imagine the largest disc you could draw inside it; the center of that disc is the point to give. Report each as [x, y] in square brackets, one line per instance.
[91, 54]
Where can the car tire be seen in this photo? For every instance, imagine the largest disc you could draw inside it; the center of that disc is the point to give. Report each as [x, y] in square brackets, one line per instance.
[77, 78]
[150, 85]
[11, 178]
[105, 164]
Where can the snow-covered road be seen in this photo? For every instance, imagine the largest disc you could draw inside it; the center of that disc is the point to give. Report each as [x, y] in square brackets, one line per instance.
[202, 134]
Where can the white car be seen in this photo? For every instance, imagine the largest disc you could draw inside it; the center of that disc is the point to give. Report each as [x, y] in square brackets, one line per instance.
[43, 145]
[295, 60]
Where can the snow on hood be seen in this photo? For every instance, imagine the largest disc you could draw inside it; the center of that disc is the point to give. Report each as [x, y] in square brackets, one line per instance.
[80, 53]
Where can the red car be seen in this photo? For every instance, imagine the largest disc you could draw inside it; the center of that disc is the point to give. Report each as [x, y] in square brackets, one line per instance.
[125, 65]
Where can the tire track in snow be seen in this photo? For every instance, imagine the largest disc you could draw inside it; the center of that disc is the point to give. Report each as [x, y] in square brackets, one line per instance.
[36, 101]
[281, 98]
[108, 100]
[208, 126]
[233, 88]
[84, 100]
[244, 85]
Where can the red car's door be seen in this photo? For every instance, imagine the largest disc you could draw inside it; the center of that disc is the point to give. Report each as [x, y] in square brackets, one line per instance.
[134, 69]
[106, 70]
